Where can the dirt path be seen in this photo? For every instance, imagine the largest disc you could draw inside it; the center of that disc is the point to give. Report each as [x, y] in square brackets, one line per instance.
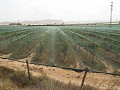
[98, 80]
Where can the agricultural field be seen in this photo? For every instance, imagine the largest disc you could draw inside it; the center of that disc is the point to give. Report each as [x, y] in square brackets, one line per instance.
[97, 47]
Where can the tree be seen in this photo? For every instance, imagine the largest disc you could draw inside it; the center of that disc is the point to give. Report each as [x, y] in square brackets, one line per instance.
[65, 49]
[40, 48]
[93, 48]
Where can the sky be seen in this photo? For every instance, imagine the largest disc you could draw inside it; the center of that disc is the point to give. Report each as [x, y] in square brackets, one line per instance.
[66, 10]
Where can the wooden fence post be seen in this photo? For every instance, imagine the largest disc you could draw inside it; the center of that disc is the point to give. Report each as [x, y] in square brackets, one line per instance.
[28, 69]
[83, 80]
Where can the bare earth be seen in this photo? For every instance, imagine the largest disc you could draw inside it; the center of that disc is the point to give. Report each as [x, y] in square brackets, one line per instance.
[97, 80]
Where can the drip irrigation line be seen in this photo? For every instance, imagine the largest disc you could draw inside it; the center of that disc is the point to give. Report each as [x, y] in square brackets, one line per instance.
[93, 42]
[17, 31]
[37, 42]
[23, 36]
[17, 34]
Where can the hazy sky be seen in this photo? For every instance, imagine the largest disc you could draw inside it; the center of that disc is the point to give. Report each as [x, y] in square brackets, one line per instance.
[67, 10]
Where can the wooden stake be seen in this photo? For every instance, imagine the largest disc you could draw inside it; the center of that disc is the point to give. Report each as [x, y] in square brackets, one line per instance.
[28, 69]
[83, 80]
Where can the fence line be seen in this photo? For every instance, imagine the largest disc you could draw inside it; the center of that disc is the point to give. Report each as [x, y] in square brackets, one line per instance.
[73, 69]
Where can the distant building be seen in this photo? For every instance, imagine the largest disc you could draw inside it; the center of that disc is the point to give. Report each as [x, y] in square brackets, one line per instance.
[15, 24]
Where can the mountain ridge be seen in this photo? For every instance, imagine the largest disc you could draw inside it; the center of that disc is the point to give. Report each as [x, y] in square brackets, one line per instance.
[50, 21]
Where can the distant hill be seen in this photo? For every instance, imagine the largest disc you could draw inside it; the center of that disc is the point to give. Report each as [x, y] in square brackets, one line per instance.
[43, 22]
[5, 23]
[53, 21]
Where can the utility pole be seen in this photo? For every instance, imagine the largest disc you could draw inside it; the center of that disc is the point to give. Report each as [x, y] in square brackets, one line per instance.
[18, 21]
[111, 13]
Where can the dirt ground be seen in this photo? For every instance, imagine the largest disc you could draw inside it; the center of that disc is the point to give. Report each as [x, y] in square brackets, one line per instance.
[101, 81]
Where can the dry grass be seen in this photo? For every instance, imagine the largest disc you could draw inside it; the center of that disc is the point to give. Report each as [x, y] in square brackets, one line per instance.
[18, 80]
[99, 81]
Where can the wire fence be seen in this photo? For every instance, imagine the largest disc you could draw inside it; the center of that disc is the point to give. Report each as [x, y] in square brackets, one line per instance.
[100, 80]
[67, 68]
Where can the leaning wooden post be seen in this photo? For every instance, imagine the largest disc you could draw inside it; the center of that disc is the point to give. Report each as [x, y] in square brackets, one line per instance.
[28, 70]
[83, 80]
